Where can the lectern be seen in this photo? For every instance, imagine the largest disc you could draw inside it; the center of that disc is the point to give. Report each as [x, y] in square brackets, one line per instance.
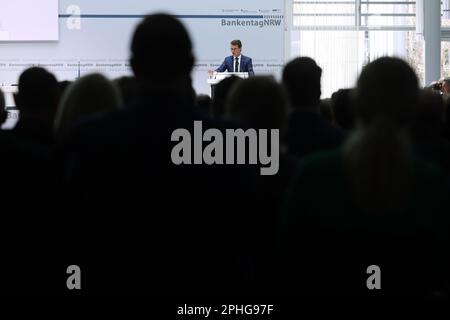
[219, 76]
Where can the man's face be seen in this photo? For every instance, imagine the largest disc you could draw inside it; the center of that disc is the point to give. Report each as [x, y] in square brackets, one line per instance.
[235, 51]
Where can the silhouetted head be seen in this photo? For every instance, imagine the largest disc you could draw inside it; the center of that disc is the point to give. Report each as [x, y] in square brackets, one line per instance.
[325, 110]
[342, 103]
[301, 77]
[2, 100]
[63, 85]
[259, 102]
[203, 102]
[221, 92]
[388, 89]
[38, 93]
[161, 49]
[128, 89]
[3, 113]
[378, 155]
[429, 122]
[89, 95]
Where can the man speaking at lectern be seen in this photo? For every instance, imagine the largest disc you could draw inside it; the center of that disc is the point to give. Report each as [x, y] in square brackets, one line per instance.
[237, 62]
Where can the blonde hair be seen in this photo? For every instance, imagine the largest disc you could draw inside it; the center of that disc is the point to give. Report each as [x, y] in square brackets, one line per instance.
[89, 95]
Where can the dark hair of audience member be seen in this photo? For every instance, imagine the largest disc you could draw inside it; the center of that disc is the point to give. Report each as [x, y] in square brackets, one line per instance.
[38, 95]
[447, 119]
[378, 155]
[326, 111]
[221, 92]
[301, 77]
[3, 112]
[203, 102]
[63, 85]
[258, 102]
[128, 89]
[429, 122]
[149, 63]
[343, 108]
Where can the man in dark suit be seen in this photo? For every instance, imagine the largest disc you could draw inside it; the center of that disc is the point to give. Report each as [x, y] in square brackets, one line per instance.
[237, 62]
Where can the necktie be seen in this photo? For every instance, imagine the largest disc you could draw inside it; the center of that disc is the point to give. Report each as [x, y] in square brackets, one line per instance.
[236, 65]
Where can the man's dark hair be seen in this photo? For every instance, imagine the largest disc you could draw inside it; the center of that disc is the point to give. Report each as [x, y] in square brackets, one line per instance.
[343, 108]
[63, 85]
[258, 102]
[221, 92]
[161, 47]
[38, 90]
[3, 113]
[203, 102]
[430, 116]
[301, 78]
[2, 100]
[237, 43]
[127, 87]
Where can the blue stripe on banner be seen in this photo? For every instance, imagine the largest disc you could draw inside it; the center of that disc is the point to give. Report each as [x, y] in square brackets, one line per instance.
[133, 16]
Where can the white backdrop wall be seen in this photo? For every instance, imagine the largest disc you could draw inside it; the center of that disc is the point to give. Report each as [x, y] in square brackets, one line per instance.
[94, 36]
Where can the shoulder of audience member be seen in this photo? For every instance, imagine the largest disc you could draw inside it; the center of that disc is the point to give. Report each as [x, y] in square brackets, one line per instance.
[316, 168]
[220, 123]
[431, 175]
[95, 127]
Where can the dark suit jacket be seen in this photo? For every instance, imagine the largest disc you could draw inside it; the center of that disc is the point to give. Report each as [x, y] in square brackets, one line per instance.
[246, 65]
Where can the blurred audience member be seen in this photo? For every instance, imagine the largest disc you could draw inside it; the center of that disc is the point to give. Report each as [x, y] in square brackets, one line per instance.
[343, 108]
[203, 102]
[89, 95]
[146, 214]
[32, 227]
[221, 92]
[428, 130]
[3, 112]
[261, 103]
[128, 89]
[37, 101]
[325, 110]
[63, 85]
[307, 131]
[370, 203]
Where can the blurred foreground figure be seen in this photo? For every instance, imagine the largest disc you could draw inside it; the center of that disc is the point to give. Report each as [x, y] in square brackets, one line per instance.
[154, 229]
[307, 129]
[370, 203]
